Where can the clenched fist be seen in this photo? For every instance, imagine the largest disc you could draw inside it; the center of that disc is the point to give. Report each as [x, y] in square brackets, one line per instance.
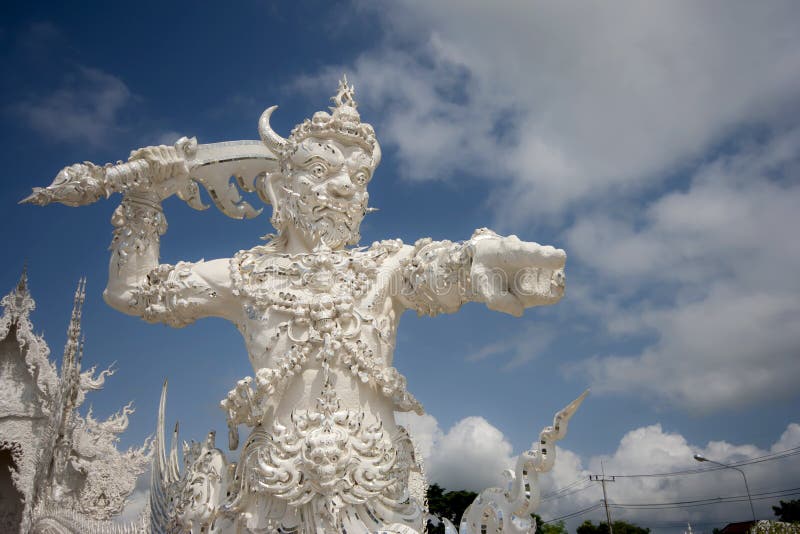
[510, 275]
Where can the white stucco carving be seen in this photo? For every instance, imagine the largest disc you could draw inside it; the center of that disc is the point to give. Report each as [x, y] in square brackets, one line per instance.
[67, 471]
[509, 510]
[28, 388]
[17, 307]
[319, 321]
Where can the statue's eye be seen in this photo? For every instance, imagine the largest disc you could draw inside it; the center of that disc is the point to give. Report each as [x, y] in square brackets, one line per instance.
[361, 178]
[318, 170]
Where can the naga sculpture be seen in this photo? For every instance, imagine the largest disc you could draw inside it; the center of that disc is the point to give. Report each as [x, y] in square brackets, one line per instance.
[319, 320]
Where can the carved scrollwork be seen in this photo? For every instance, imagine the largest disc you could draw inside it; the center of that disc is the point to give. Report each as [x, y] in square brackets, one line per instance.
[200, 491]
[138, 224]
[171, 294]
[321, 293]
[436, 278]
[510, 510]
[325, 460]
[17, 307]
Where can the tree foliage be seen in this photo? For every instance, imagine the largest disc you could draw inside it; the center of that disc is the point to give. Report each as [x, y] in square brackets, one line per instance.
[447, 504]
[452, 504]
[775, 527]
[549, 528]
[618, 527]
[788, 511]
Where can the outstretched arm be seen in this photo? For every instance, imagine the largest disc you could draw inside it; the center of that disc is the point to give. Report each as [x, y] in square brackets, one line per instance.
[138, 285]
[505, 273]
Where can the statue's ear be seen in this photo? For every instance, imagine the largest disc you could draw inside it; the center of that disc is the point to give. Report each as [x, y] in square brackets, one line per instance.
[269, 188]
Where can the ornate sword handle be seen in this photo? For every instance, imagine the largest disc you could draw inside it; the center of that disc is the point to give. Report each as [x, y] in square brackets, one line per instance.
[163, 171]
[159, 171]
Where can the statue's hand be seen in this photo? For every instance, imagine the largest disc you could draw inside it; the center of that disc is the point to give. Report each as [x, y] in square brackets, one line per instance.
[155, 172]
[510, 275]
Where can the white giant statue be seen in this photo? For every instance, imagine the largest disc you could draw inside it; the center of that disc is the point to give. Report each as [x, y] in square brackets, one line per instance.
[319, 321]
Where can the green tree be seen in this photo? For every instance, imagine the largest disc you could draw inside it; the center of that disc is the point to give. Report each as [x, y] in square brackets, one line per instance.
[549, 528]
[619, 527]
[788, 511]
[452, 504]
[448, 505]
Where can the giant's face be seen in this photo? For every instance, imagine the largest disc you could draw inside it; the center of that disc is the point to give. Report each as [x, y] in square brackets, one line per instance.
[325, 194]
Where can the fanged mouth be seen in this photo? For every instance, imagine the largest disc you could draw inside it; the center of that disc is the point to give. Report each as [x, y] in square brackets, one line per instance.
[349, 210]
[328, 207]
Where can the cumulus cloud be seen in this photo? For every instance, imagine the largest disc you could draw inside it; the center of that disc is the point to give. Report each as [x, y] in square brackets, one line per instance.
[473, 453]
[84, 109]
[563, 103]
[585, 116]
[652, 450]
[725, 253]
[134, 508]
[168, 137]
[137, 500]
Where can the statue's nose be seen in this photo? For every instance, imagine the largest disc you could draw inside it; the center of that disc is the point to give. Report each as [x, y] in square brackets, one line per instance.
[341, 186]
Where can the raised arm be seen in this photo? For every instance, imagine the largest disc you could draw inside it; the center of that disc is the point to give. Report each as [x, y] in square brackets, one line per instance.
[137, 284]
[176, 295]
[505, 273]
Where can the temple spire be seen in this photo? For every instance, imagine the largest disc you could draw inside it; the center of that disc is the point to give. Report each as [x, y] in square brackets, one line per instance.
[71, 362]
[22, 285]
[18, 304]
[72, 349]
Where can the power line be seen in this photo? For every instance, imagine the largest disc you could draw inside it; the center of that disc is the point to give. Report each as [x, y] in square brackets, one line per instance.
[565, 491]
[553, 493]
[708, 501]
[681, 504]
[573, 514]
[675, 525]
[758, 459]
[571, 489]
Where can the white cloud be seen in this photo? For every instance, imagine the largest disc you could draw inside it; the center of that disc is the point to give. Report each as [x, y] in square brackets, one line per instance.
[473, 453]
[588, 111]
[789, 439]
[649, 450]
[169, 137]
[725, 252]
[83, 109]
[135, 506]
[137, 500]
[523, 347]
[739, 207]
[571, 102]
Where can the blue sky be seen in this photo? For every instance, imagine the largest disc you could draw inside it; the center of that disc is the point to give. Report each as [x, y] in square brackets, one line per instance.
[658, 144]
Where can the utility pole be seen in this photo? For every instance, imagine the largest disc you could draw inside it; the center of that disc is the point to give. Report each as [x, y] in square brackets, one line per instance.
[602, 479]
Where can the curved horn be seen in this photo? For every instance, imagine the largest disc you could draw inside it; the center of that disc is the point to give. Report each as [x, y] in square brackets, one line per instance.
[274, 142]
[376, 154]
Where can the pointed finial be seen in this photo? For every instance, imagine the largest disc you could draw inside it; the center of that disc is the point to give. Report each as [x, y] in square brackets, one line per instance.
[18, 304]
[22, 285]
[73, 349]
[345, 95]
